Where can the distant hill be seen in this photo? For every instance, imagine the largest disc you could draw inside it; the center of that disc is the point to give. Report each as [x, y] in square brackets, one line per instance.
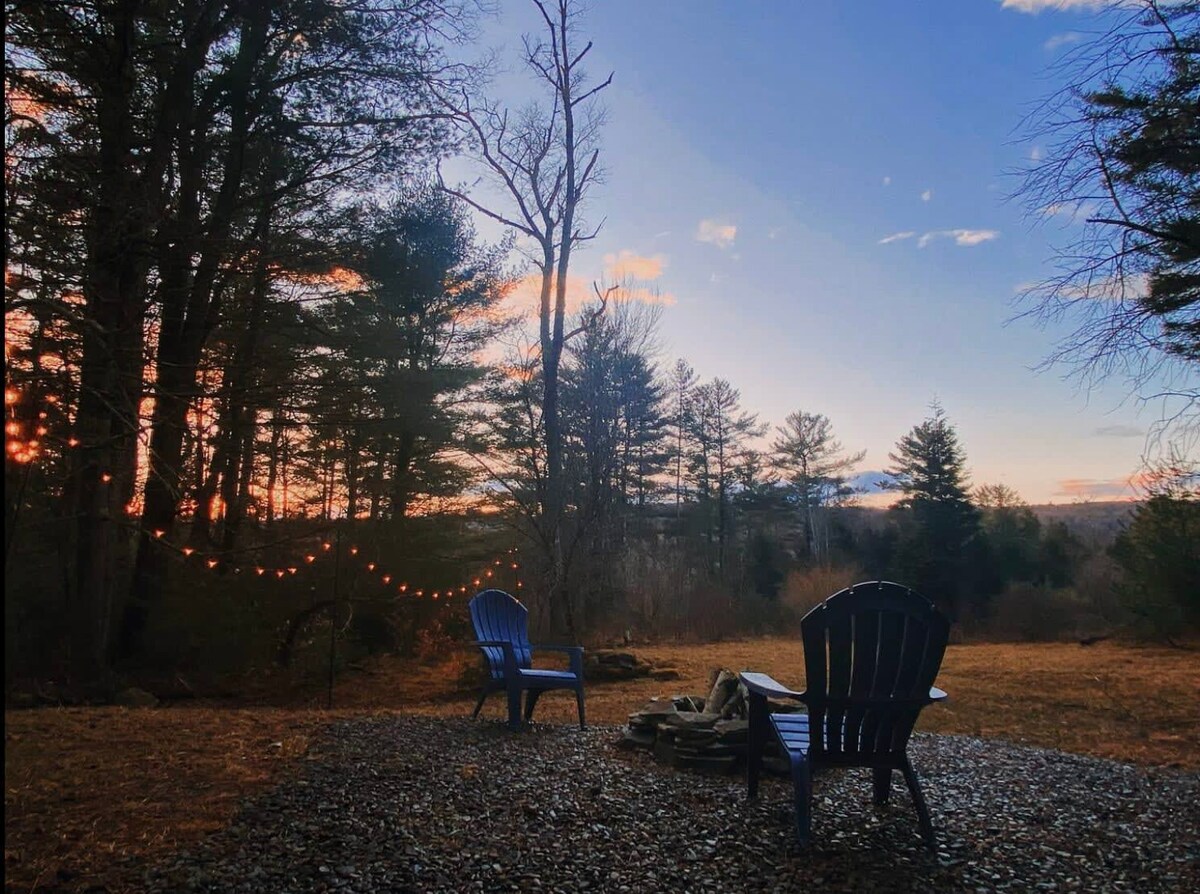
[1095, 522]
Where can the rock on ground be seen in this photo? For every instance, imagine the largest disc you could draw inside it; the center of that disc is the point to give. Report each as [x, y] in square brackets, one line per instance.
[435, 804]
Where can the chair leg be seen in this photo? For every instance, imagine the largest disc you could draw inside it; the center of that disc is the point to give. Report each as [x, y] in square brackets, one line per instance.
[514, 707]
[579, 703]
[487, 690]
[531, 698]
[802, 785]
[883, 784]
[914, 786]
[756, 741]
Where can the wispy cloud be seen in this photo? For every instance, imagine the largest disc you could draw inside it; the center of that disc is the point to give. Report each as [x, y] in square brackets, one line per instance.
[927, 195]
[1061, 40]
[717, 233]
[1091, 488]
[1035, 154]
[629, 264]
[525, 297]
[1071, 211]
[1033, 7]
[1119, 431]
[965, 238]
[887, 181]
[896, 237]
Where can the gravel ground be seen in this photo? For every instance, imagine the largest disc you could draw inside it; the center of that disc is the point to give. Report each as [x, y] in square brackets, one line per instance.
[433, 804]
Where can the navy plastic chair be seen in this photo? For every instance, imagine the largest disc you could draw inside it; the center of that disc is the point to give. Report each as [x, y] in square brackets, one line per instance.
[501, 627]
[871, 655]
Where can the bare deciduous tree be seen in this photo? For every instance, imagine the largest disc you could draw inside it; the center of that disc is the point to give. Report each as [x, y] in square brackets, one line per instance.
[545, 158]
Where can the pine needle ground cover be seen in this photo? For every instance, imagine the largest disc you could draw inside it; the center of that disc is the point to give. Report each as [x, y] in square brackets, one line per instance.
[91, 792]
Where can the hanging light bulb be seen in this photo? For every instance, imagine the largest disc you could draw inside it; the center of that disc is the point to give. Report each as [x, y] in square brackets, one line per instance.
[187, 550]
[310, 559]
[260, 571]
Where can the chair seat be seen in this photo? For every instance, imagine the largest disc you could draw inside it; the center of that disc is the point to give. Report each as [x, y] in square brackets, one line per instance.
[548, 675]
[792, 731]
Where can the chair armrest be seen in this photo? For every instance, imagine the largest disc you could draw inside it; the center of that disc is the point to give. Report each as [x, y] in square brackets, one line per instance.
[574, 652]
[510, 655]
[764, 685]
[937, 695]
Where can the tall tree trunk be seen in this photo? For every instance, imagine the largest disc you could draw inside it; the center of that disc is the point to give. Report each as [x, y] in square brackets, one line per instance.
[191, 302]
[104, 462]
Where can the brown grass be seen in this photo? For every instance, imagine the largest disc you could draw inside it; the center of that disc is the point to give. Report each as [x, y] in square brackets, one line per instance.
[1130, 703]
[88, 791]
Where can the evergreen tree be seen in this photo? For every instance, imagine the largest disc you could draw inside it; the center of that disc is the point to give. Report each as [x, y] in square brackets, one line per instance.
[815, 464]
[940, 524]
[1123, 156]
[1159, 553]
[1012, 535]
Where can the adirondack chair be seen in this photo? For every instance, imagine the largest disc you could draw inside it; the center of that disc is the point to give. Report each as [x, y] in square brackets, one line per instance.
[501, 624]
[871, 654]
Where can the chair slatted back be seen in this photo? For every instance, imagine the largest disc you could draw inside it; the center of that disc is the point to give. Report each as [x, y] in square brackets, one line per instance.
[871, 653]
[499, 617]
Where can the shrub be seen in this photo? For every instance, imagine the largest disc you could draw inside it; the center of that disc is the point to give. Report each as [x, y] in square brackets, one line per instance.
[808, 587]
[1031, 613]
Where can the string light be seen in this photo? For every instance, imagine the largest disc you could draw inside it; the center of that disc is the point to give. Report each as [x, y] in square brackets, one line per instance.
[213, 562]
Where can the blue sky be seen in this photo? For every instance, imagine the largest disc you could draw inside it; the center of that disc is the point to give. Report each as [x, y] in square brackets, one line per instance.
[759, 153]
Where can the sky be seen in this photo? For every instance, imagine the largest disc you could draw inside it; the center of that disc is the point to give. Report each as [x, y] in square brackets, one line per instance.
[820, 195]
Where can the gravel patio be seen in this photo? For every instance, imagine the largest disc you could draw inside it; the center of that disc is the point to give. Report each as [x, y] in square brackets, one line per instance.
[444, 804]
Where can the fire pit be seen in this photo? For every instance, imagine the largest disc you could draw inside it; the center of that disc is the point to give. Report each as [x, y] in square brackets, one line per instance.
[704, 733]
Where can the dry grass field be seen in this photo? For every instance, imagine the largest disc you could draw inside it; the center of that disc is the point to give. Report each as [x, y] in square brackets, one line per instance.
[89, 791]
[1130, 703]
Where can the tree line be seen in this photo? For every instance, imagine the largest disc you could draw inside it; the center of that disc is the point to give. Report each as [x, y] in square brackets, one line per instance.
[242, 303]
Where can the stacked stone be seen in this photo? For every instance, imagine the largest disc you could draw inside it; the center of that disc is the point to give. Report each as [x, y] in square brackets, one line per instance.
[690, 732]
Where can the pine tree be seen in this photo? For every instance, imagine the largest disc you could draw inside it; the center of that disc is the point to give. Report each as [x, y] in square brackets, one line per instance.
[815, 464]
[940, 523]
